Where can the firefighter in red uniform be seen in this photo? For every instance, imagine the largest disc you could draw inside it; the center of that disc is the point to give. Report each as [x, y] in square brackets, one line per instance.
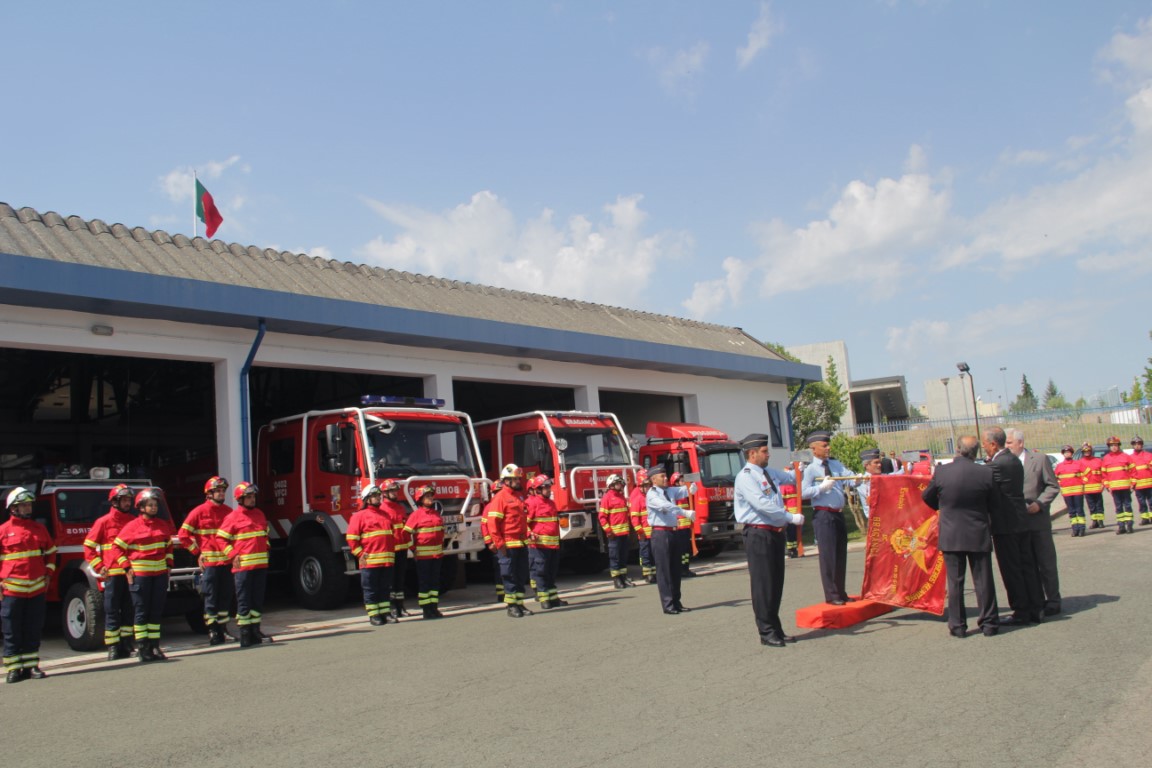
[1093, 484]
[1070, 476]
[98, 554]
[1142, 479]
[1117, 468]
[403, 542]
[245, 533]
[508, 526]
[683, 528]
[425, 526]
[144, 549]
[27, 562]
[370, 539]
[791, 499]
[613, 515]
[200, 535]
[543, 541]
[496, 486]
[638, 512]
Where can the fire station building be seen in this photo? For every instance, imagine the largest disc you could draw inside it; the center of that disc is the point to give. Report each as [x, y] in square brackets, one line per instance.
[127, 345]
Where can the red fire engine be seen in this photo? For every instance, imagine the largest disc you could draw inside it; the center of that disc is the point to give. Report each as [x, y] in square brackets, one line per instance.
[310, 469]
[697, 451]
[68, 506]
[579, 451]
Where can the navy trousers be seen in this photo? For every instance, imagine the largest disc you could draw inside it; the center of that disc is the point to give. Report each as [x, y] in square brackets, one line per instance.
[667, 556]
[832, 540]
[23, 621]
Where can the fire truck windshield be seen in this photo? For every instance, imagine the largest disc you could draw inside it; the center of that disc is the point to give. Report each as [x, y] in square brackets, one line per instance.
[76, 506]
[402, 448]
[720, 467]
[592, 446]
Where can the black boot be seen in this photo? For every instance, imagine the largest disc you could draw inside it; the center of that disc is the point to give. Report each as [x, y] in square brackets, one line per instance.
[116, 652]
[258, 635]
[144, 651]
[157, 654]
[36, 673]
[617, 582]
[246, 636]
[515, 611]
[431, 611]
[14, 676]
[215, 634]
[398, 608]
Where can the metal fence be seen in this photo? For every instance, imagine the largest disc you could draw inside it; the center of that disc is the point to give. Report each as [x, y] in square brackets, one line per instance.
[1044, 431]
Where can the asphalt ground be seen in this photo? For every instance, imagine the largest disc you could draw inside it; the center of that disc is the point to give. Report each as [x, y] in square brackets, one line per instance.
[612, 681]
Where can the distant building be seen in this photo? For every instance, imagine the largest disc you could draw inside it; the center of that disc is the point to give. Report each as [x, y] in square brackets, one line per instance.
[870, 401]
[950, 398]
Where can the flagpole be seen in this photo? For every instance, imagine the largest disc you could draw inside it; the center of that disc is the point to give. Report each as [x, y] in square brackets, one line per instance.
[194, 203]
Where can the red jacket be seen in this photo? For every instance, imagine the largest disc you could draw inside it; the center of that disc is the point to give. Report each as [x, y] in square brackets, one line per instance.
[1093, 475]
[638, 512]
[543, 522]
[791, 498]
[508, 519]
[98, 543]
[144, 546]
[1070, 475]
[613, 514]
[199, 534]
[1117, 469]
[246, 533]
[370, 537]
[399, 513]
[27, 558]
[1141, 469]
[426, 528]
[685, 503]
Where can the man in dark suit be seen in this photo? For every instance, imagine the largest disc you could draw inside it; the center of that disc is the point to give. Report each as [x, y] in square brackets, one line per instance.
[1009, 536]
[1041, 488]
[966, 495]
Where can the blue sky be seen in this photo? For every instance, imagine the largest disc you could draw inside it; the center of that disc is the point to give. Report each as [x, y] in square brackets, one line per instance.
[929, 181]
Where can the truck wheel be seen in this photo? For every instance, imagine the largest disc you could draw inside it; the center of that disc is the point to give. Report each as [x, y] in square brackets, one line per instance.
[82, 617]
[318, 576]
[195, 619]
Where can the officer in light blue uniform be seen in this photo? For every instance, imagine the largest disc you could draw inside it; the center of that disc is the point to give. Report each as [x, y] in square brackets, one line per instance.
[871, 459]
[662, 514]
[760, 509]
[827, 498]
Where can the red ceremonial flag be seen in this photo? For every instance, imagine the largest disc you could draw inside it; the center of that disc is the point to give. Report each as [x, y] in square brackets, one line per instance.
[206, 210]
[902, 565]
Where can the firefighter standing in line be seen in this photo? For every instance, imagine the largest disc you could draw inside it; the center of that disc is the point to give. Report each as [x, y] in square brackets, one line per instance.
[200, 535]
[1117, 468]
[27, 562]
[791, 498]
[543, 541]
[508, 526]
[1093, 484]
[496, 486]
[370, 539]
[613, 515]
[403, 543]
[118, 613]
[638, 511]
[683, 528]
[662, 512]
[1142, 479]
[1070, 476]
[144, 550]
[425, 526]
[245, 533]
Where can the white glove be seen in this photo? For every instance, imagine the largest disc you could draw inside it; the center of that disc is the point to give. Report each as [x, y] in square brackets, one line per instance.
[827, 484]
[692, 489]
[797, 519]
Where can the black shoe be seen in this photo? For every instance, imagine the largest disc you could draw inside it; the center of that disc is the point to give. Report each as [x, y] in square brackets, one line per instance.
[960, 632]
[546, 605]
[671, 611]
[617, 583]
[157, 654]
[1144, 521]
[687, 574]
[558, 603]
[849, 599]
[836, 602]
[1120, 530]
[990, 631]
[377, 620]
[772, 641]
[1051, 610]
[515, 611]
[785, 638]
[628, 582]
[649, 579]
[216, 634]
[682, 609]
[14, 676]
[143, 652]
[432, 612]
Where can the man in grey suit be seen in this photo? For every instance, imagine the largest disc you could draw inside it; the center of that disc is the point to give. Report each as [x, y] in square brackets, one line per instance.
[967, 496]
[1041, 488]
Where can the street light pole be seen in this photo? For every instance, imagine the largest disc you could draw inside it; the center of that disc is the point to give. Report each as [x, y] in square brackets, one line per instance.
[951, 424]
[1004, 378]
[964, 369]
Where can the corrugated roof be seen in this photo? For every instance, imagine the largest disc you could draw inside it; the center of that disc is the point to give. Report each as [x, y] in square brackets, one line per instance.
[72, 240]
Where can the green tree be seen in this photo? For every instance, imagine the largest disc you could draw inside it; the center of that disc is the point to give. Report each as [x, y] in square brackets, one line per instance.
[1137, 393]
[847, 449]
[915, 414]
[1148, 373]
[1026, 401]
[822, 404]
[1050, 392]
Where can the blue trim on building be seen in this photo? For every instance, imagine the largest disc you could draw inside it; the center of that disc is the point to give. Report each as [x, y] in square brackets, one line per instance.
[37, 282]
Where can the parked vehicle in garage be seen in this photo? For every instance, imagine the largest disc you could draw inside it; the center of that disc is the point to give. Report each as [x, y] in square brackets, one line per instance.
[579, 451]
[310, 468]
[711, 456]
[68, 506]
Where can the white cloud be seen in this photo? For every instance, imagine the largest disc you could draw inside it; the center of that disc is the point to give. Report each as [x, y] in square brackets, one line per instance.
[610, 261]
[679, 70]
[759, 37]
[1131, 53]
[178, 183]
[319, 252]
[1024, 157]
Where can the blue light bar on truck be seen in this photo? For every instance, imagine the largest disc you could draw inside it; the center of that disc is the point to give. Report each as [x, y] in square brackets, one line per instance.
[399, 401]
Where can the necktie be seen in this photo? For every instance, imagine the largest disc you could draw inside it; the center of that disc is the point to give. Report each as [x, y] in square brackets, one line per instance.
[827, 470]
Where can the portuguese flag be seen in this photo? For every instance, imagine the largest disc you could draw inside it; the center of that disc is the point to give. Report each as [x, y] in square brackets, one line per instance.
[206, 210]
